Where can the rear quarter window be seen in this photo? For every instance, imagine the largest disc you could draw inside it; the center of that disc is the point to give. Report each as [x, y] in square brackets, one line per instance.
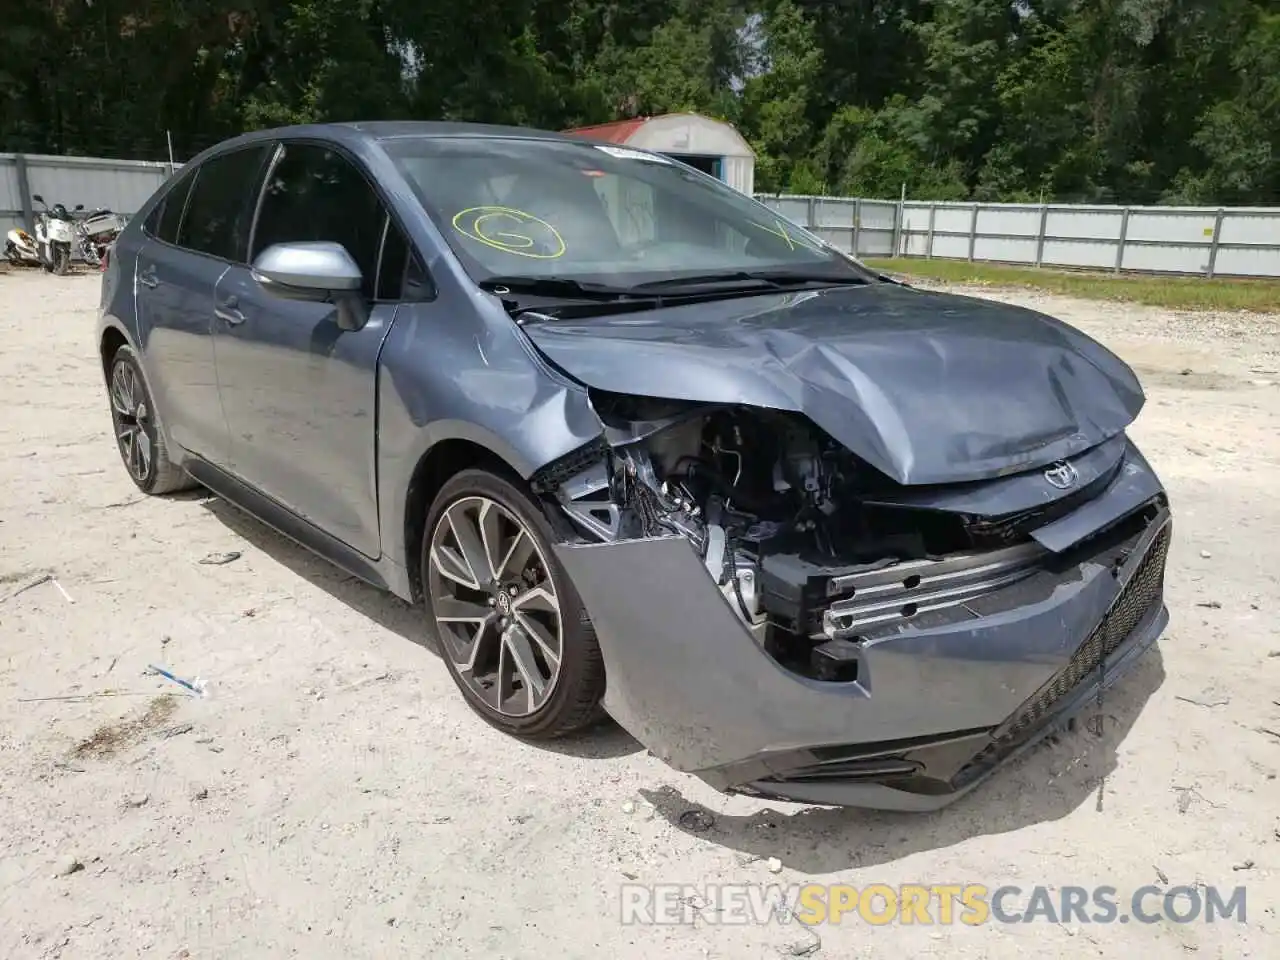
[164, 219]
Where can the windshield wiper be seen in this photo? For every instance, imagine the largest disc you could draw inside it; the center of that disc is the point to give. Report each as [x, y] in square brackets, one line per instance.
[554, 287]
[744, 279]
[801, 276]
[736, 277]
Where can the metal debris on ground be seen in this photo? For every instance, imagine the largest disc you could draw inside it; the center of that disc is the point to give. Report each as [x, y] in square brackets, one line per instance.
[699, 821]
[1210, 605]
[1187, 794]
[1204, 703]
[29, 586]
[196, 687]
[89, 696]
[218, 559]
[122, 503]
[47, 578]
[802, 948]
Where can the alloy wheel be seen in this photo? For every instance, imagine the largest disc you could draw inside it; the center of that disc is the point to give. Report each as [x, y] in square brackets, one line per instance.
[134, 424]
[495, 605]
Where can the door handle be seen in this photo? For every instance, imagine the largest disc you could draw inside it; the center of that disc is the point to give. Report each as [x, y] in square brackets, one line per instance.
[148, 278]
[228, 311]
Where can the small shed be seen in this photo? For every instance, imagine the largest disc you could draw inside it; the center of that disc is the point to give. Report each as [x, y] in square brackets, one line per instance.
[709, 145]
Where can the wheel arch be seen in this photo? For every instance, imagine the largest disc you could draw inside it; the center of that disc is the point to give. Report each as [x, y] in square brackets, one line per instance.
[111, 339]
[438, 463]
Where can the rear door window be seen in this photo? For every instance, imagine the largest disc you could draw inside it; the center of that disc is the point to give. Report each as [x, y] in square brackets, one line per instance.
[220, 208]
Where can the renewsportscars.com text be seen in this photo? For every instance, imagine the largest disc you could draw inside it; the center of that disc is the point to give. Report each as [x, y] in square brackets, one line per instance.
[970, 904]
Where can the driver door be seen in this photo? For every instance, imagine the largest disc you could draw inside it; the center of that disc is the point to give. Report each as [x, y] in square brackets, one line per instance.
[298, 391]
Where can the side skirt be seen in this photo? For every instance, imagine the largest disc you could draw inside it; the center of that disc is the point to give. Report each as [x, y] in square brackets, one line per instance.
[285, 521]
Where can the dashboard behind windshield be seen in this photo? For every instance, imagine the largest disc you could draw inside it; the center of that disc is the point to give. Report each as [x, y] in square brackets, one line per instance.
[595, 212]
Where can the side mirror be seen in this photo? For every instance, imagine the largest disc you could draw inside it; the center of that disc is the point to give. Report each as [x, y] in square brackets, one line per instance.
[79, 206]
[314, 270]
[37, 198]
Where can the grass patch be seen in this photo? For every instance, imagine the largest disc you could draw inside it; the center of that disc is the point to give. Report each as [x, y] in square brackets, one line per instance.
[1176, 293]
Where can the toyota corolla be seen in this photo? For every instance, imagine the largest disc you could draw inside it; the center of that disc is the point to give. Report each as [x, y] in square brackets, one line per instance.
[639, 445]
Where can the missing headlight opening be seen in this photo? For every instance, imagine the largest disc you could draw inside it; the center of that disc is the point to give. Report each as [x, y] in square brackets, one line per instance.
[801, 536]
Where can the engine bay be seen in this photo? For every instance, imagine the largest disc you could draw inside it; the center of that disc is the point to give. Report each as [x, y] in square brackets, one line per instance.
[800, 535]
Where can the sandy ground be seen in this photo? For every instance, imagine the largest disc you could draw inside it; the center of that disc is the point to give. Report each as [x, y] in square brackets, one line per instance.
[333, 796]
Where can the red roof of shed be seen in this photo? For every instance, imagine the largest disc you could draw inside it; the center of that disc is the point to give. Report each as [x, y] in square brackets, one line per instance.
[619, 132]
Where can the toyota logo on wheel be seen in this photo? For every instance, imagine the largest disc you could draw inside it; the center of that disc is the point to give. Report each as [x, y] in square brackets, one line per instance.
[1061, 475]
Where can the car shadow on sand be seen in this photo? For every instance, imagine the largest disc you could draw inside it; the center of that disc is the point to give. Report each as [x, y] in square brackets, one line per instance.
[1066, 771]
[1050, 782]
[603, 741]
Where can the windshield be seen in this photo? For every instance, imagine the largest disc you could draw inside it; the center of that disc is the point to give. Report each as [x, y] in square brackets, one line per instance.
[598, 213]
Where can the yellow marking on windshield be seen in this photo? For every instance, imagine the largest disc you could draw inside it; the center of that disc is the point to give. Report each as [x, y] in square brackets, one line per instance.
[782, 231]
[508, 229]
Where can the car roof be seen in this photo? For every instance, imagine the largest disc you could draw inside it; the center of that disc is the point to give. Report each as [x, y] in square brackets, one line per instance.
[394, 129]
[388, 129]
[374, 130]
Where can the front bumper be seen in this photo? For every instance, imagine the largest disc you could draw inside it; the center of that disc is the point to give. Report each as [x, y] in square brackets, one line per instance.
[936, 706]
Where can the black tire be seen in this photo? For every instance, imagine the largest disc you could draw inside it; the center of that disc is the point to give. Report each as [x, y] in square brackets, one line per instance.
[160, 475]
[574, 699]
[61, 260]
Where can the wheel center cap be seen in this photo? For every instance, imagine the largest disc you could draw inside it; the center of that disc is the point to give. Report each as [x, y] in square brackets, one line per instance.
[504, 603]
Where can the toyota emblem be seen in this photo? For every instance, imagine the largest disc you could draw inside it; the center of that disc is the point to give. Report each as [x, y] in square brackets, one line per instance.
[1061, 475]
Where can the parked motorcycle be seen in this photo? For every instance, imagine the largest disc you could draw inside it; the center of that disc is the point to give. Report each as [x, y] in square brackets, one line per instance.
[20, 248]
[96, 233]
[55, 232]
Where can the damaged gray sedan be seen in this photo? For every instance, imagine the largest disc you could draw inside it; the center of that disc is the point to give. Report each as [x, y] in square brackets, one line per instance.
[640, 445]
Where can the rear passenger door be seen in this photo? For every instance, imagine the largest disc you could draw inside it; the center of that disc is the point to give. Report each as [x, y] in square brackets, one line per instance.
[200, 227]
[299, 391]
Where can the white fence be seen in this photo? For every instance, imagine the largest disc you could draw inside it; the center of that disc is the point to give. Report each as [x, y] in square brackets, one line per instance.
[1209, 241]
[1232, 241]
[119, 185]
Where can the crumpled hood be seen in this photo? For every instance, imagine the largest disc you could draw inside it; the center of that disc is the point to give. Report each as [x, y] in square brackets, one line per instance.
[925, 387]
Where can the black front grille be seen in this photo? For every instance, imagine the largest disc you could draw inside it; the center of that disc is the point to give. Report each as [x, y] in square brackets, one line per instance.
[1134, 602]
[1016, 526]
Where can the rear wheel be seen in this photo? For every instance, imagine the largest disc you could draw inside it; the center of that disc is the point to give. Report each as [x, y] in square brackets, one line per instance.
[512, 630]
[139, 436]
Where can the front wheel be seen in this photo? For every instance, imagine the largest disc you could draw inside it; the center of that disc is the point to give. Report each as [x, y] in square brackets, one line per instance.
[61, 259]
[512, 630]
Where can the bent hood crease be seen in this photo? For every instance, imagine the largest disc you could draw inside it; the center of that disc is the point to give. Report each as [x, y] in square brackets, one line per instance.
[925, 387]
